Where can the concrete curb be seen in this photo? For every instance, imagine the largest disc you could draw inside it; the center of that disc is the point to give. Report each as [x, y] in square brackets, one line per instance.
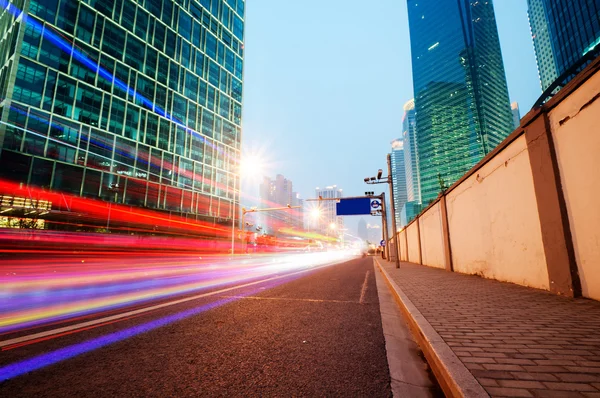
[452, 375]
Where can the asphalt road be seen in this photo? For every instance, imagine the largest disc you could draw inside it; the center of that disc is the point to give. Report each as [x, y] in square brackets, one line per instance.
[313, 333]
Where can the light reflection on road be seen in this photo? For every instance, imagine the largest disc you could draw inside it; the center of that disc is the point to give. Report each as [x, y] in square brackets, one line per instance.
[36, 291]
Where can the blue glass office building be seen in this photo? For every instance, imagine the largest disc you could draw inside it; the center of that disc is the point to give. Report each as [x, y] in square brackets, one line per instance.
[411, 154]
[399, 169]
[137, 102]
[574, 27]
[540, 33]
[461, 97]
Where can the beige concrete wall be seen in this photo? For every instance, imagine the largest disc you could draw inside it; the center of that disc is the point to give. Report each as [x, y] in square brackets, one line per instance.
[494, 224]
[576, 134]
[432, 240]
[413, 243]
[403, 246]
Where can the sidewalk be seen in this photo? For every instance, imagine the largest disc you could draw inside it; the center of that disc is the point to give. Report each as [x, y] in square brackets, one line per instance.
[511, 340]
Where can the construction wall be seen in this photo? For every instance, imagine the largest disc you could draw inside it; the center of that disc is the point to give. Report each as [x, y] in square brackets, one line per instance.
[432, 243]
[528, 213]
[575, 128]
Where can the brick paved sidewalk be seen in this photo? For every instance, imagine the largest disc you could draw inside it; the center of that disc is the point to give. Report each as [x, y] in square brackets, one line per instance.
[516, 341]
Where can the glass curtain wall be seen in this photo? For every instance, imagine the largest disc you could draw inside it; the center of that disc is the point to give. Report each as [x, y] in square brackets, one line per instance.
[133, 102]
[461, 97]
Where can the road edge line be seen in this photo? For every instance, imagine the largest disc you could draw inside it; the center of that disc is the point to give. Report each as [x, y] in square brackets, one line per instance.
[452, 375]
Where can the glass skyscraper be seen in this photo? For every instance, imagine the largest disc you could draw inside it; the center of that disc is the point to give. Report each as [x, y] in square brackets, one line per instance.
[397, 158]
[574, 27]
[461, 97]
[540, 33]
[411, 155]
[136, 102]
[411, 165]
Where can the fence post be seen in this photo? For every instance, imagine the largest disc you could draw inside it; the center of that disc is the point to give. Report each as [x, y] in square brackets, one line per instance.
[446, 235]
[552, 210]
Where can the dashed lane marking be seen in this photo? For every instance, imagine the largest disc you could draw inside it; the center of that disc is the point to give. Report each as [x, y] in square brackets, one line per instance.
[364, 288]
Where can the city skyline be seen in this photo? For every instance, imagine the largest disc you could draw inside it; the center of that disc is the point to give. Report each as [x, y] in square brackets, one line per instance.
[326, 112]
[343, 134]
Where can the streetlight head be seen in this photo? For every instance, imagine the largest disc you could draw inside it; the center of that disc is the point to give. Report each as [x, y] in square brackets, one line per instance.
[379, 174]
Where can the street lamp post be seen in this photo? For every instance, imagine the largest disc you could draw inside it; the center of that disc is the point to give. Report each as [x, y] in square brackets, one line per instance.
[233, 217]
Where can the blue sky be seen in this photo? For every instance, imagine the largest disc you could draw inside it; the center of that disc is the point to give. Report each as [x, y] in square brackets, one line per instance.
[326, 80]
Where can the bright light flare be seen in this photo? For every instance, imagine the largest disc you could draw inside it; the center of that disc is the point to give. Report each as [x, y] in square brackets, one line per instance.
[315, 213]
[252, 166]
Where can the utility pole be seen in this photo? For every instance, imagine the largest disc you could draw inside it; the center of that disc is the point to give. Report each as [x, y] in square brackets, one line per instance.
[387, 180]
[386, 250]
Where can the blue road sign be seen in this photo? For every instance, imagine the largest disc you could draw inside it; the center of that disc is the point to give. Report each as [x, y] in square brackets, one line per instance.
[382, 243]
[353, 206]
[375, 204]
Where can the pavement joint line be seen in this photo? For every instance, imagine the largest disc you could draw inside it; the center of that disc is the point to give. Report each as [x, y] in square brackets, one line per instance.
[452, 375]
[364, 288]
[292, 299]
[69, 328]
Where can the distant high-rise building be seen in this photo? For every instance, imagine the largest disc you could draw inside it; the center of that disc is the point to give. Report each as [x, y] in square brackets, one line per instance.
[327, 216]
[362, 231]
[297, 215]
[514, 107]
[540, 33]
[397, 158]
[411, 154]
[411, 165]
[278, 193]
[134, 102]
[574, 27]
[461, 97]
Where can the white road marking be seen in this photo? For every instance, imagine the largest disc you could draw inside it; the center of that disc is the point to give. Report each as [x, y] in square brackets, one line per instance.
[291, 299]
[142, 310]
[364, 288]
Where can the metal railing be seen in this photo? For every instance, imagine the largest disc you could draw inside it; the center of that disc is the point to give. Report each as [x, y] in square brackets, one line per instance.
[567, 76]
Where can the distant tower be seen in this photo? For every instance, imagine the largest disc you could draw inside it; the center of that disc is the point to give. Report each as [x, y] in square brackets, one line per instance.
[276, 193]
[514, 107]
[362, 231]
[398, 177]
[328, 213]
[461, 97]
[411, 155]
